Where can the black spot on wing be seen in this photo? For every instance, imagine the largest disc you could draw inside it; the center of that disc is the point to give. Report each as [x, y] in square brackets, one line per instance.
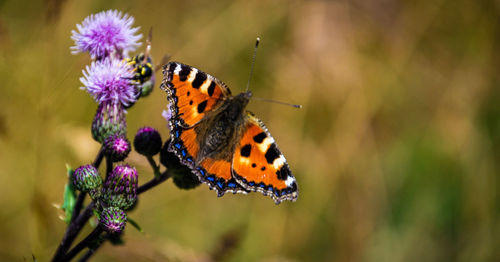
[283, 172]
[199, 79]
[202, 106]
[272, 153]
[211, 88]
[245, 150]
[260, 137]
[184, 73]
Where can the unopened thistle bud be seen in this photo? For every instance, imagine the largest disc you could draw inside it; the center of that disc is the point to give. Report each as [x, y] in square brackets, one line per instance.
[113, 219]
[182, 176]
[109, 120]
[120, 189]
[87, 179]
[116, 147]
[185, 180]
[147, 141]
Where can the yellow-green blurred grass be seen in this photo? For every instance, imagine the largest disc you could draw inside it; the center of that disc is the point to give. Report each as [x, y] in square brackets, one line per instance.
[395, 149]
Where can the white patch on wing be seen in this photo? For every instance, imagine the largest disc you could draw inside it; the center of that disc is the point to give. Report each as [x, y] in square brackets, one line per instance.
[289, 181]
[177, 69]
[192, 75]
[265, 144]
[278, 162]
[204, 87]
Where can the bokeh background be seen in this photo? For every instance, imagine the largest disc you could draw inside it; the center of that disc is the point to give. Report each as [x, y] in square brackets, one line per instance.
[396, 150]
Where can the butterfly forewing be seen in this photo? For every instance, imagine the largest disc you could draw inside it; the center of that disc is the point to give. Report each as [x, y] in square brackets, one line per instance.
[191, 92]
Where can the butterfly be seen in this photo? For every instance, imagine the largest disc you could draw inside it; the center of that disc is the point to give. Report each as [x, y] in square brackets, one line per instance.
[226, 146]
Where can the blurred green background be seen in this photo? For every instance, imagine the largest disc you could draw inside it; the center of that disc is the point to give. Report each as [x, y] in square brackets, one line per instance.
[396, 150]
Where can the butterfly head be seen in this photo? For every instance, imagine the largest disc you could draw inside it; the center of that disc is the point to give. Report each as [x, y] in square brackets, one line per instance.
[237, 105]
[243, 98]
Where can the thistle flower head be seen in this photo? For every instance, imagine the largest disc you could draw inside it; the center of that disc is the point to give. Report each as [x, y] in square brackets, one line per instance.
[113, 219]
[147, 141]
[104, 33]
[116, 147]
[108, 80]
[109, 120]
[120, 189]
[87, 179]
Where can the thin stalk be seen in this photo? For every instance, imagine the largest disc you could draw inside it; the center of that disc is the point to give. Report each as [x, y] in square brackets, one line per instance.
[84, 243]
[109, 167]
[153, 182]
[72, 232]
[155, 167]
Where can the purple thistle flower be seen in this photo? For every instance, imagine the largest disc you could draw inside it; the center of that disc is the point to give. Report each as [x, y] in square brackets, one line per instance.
[116, 147]
[104, 33]
[120, 189]
[109, 81]
[113, 219]
[86, 178]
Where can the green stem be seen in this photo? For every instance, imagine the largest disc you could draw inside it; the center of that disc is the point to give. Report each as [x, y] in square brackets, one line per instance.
[156, 168]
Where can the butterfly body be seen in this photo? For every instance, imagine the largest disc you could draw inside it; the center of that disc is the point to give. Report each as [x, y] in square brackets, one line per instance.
[225, 145]
[220, 128]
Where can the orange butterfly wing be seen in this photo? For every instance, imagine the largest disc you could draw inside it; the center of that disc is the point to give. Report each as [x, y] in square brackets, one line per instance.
[258, 165]
[192, 94]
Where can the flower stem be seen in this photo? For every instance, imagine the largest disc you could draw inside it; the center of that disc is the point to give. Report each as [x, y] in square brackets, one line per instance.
[84, 243]
[72, 231]
[156, 168]
[91, 251]
[78, 206]
[154, 182]
[98, 158]
[109, 167]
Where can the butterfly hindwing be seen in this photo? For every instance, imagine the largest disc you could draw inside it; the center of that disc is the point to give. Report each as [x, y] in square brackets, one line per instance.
[191, 92]
[215, 173]
[258, 164]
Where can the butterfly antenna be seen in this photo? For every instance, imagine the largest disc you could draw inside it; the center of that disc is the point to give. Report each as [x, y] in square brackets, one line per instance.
[163, 61]
[253, 62]
[276, 102]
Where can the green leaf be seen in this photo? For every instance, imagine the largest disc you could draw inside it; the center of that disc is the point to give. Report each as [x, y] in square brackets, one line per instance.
[134, 224]
[69, 197]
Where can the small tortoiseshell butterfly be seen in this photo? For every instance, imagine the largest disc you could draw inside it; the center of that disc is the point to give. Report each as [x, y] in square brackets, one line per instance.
[226, 146]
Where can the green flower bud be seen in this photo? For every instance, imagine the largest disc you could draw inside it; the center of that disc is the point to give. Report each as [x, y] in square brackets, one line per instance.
[109, 119]
[87, 179]
[113, 219]
[120, 189]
